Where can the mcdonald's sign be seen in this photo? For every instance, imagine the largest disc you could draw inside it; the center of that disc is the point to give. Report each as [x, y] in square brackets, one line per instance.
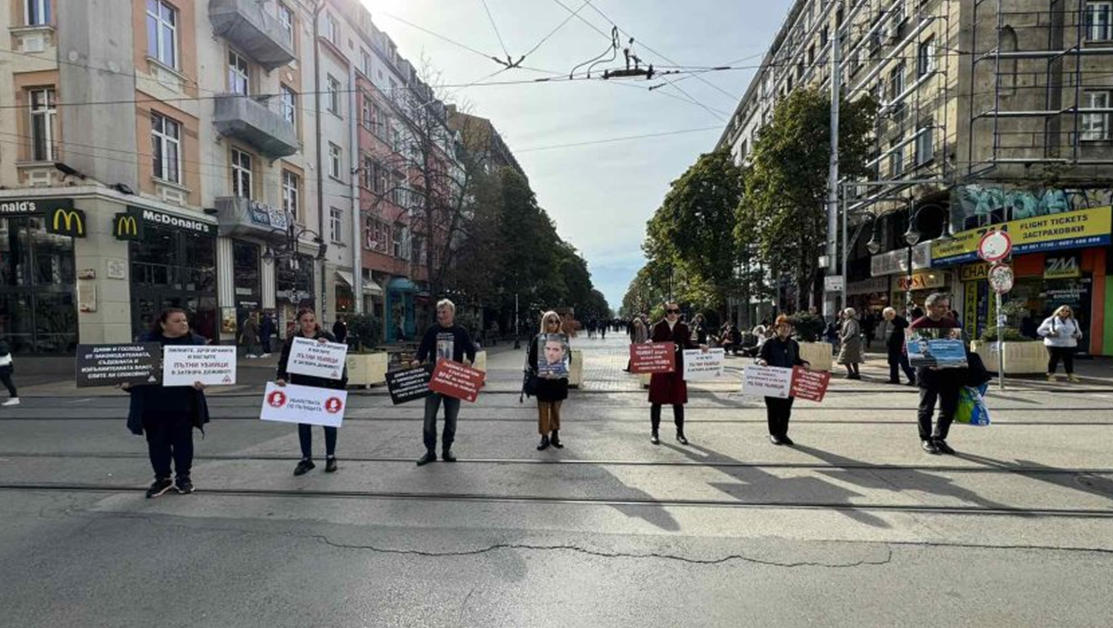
[63, 221]
[127, 226]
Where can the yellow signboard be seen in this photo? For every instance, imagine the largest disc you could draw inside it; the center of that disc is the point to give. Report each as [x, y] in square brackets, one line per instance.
[1068, 230]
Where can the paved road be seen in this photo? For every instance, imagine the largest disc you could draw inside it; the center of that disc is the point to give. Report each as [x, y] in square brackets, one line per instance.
[853, 527]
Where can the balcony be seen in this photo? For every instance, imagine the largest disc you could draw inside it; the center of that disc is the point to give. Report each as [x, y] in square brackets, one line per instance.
[252, 30]
[250, 121]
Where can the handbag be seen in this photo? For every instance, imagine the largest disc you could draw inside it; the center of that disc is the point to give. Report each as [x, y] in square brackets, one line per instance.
[971, 409]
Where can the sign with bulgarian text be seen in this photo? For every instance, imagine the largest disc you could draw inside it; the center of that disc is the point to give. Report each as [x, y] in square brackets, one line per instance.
[409, 385]
[317, 359]
[111, 364]
[809, 385]
[653, 357]
[453, 379]
[1068, 230]
[699, 365]
[212, 365]
[304, 404]
[782, 383]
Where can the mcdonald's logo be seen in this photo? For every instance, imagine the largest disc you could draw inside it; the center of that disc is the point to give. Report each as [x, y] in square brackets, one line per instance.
[70, 222]
[126, 227]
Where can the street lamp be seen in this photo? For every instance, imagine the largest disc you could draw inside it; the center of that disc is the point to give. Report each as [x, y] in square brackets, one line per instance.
[912, 237]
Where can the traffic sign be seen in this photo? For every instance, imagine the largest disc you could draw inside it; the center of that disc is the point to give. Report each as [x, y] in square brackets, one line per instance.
[995, 246]
[1000, 278]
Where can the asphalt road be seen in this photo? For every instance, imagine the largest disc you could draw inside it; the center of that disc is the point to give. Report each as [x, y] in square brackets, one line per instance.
[853, 527]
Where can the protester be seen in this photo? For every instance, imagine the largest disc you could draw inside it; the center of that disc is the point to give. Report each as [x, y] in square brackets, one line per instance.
[169, 414]
[310, 329]
[1061, 333]
[249, 337]
[549, 349]
[780, 350]
[670, 388]
[443, 341]
[340, 330]
[7, 367]
[937, 385]
[894, 343]
[267, 330]
[850, 335]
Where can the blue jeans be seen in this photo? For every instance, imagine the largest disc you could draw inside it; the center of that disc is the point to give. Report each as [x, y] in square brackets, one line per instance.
[451, 411]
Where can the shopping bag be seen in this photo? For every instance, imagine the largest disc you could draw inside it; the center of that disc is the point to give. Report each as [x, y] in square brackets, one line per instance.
[971, 406]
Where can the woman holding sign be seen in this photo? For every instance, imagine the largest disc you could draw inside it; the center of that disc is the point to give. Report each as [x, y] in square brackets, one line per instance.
[169, 414]
[548, 362]
[670, 388]
[780, 350]
[309, 328]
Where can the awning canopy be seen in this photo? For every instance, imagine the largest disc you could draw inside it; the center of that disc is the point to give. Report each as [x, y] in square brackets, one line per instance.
[346, 277]
[372, 288]
[401, 284]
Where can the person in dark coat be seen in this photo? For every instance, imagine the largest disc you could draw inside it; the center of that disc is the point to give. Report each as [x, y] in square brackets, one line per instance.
[309, 328]
[937, 385]
[670, 388]
[169, 414]
[894, 343]
[267, 329]
[6, 369]
[340, 330]
[548, 362]
[444, 340]
[780, 350]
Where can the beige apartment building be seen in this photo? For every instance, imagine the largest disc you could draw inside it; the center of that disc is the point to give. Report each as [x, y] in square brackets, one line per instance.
[992, 113]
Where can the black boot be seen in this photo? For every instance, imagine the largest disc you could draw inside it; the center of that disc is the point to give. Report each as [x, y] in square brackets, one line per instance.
[554, 440]
[656, 440]
[680, 436]
[544, 443]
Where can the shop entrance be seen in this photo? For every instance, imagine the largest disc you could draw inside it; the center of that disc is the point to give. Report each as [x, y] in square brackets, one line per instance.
[148, 303]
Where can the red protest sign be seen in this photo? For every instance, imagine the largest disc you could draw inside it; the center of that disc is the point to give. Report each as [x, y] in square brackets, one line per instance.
[655, 357]
[453, 379]
[809, 385]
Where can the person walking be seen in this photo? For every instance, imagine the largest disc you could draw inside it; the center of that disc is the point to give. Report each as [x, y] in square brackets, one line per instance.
[443, 341]
[850, 335]
[340, 330]
[548, 362]
[780, 350]
[167, 415]
[894, 343]
[937, 385]
[638, 335]
[699, 330]
[267, 330]
[310, 329]
[603, 330]
[670, 388]
[1061, 333]
[7, 367]
[249, 337]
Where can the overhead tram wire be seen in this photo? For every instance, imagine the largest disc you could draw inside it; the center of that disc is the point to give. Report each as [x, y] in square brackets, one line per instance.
[495, 26]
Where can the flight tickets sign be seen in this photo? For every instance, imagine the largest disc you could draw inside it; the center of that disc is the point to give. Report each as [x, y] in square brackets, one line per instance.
[1068, 230]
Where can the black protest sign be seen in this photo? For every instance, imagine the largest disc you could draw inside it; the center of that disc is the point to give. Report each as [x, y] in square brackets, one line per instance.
[111, 364]
[410, 384]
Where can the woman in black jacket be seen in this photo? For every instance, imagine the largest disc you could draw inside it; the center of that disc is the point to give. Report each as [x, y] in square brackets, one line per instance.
[782, 351]
[169, 414]
[309, 328]
[549, 356]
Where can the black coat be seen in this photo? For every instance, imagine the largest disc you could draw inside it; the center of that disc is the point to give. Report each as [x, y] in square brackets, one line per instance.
[308, 380]
[153, 401]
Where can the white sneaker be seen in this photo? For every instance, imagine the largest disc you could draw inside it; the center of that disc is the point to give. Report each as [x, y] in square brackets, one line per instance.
[250, 356]
[266, 355]
[14, 401]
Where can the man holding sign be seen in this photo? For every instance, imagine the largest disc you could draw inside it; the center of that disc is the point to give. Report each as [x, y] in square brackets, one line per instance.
[782, 351]
[443, 341]
[670, 388]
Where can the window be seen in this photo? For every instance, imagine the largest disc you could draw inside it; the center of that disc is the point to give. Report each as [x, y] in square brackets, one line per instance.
[238, 74]
[333, 94]
[925, 58]
[289, 105]
[44, 114]
[1095, 126]
[162, 33]
[291, 185]
[378, 121]
[398, 241]
[38, 12]
[896, 82]
[336, 224]
[334, 160]
[332, 29]
[1099, 26]
[417, 250]
[241, 173]
[365, 62]
[286, 21]
[824, 35]
[365, 107]
[925, 147]
[367, 172]
[896, 159]
[166, 144]
[394, 90]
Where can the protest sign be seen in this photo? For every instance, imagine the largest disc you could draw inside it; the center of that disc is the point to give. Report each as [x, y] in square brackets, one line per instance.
[317, 359]
[766, 381]
[182, 365]
[809, 385]
[304, 404]
[553, 356]
[699, 365]
[111, 364]
[409, 385]
[453, 379]
[653, 357]
[935, 347]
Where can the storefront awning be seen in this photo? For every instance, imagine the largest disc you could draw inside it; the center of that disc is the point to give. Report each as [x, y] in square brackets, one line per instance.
[346, 277]
[372, 288]
[401, 284]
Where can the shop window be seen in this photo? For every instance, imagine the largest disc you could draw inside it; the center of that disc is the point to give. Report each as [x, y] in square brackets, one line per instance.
[38, 310]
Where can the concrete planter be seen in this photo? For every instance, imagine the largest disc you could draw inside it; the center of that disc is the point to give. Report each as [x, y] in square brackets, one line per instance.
[819, 354]
[1021, 358]
[480, 361]
[367, 369]
[576, 369]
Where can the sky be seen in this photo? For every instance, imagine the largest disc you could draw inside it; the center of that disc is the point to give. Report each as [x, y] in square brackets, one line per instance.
[600, 194]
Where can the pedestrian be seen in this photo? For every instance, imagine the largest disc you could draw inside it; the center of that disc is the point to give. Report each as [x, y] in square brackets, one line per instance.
[340, 330]
[937, 385]
[670, 388]
[1061, 333]
[7, 367]
[850, 335]
[603, 330]
[443, 341]
[780, 350]
[548, 362]
[249, 337]
[267, 330]
[167, 415]
[894, 343]
[699, 330]
[310, 329]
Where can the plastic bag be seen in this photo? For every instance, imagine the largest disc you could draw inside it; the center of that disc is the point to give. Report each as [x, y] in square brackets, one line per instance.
[971, 406]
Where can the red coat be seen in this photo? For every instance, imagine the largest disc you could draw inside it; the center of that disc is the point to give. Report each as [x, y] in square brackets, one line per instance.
[670, 388]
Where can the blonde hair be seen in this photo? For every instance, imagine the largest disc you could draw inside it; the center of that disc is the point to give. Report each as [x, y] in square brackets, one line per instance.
[1061, 308]
[551, 314]
[446, 303]
[887, 311]
[850, 312]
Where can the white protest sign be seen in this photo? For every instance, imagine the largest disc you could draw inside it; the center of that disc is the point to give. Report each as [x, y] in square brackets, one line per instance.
[304, 404]
[699, 365]
[317, 359]
[214, 365]
[766, 381]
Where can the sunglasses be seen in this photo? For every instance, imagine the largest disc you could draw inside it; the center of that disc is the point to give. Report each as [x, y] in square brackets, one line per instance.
[673, 311]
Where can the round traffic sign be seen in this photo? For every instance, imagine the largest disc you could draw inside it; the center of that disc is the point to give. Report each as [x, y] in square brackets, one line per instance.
[1000, 278]
[995, 246]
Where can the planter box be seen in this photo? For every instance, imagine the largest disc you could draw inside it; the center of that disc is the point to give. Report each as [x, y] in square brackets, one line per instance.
[367, 369]
[480, 361]
[1021, 358]
[576, 369]
[819, 354]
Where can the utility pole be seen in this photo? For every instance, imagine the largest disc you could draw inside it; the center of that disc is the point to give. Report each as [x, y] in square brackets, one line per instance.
[833, 268]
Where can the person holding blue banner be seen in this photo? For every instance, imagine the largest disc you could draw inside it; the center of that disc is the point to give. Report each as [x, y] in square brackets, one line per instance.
[937, 386]
[784, 352]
